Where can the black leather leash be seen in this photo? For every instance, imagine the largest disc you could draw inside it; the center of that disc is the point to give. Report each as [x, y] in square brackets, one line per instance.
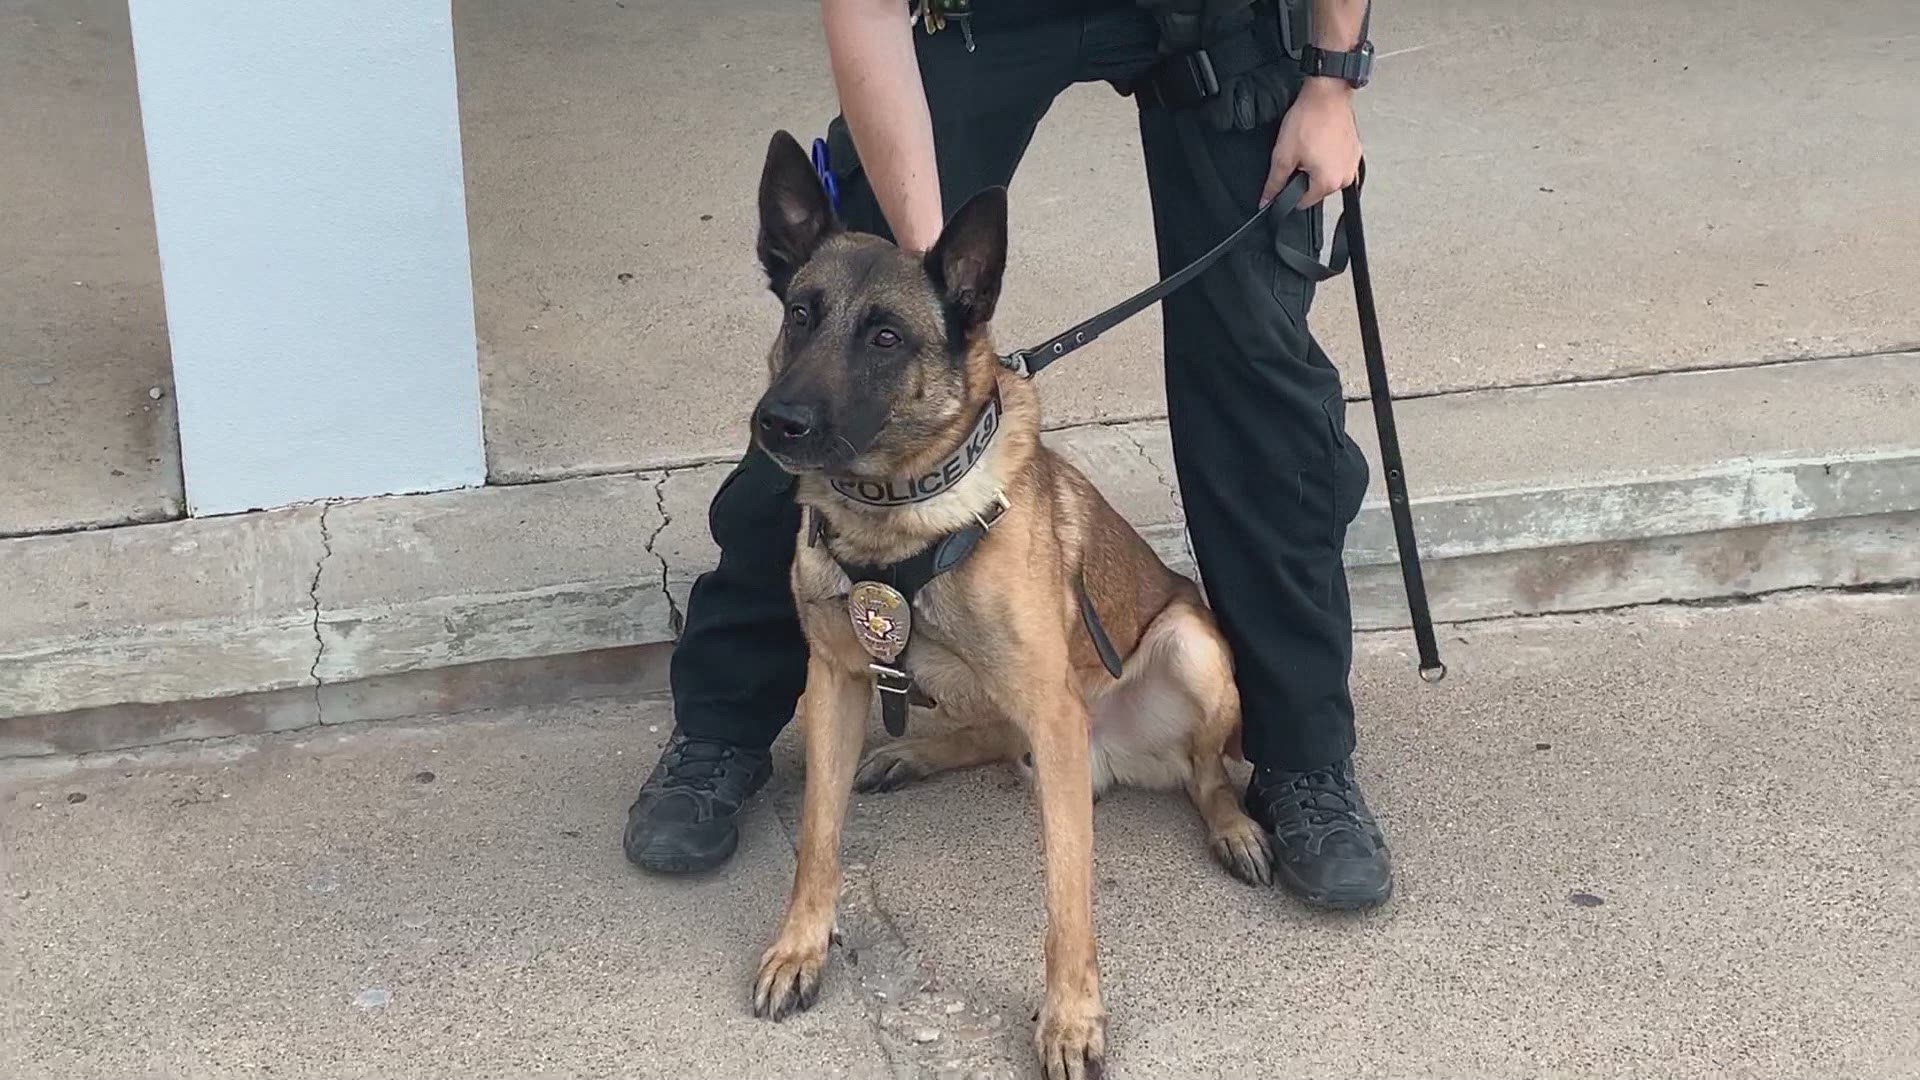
[1349, 247]
[1431, 669]
[1030, 362]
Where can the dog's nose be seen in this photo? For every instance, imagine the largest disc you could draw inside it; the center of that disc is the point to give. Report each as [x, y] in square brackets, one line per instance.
[786, 421]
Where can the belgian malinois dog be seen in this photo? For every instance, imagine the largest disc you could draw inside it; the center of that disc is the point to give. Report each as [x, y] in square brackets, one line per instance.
[887, 400]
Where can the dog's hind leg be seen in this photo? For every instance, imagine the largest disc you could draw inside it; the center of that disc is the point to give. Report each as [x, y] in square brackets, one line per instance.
[965, 743]
[1199, 660]
[835, 705]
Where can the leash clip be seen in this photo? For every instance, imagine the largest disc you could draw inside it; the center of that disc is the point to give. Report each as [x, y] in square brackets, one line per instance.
[1016, 362]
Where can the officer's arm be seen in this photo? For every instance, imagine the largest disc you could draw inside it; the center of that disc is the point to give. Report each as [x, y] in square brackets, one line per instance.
[1337, 23]
[1318, 134]
[870, 46]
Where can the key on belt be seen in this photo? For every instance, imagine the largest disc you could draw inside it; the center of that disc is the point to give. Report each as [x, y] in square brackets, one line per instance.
[936, 14]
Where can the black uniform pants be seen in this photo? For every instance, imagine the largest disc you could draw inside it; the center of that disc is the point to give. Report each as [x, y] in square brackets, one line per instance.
[1269, 478]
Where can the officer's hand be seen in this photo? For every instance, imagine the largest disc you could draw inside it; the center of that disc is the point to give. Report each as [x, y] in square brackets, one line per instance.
[1318, 135]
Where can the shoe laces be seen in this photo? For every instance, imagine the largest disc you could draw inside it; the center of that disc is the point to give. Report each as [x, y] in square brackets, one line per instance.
[695, 764]
[1326, 795]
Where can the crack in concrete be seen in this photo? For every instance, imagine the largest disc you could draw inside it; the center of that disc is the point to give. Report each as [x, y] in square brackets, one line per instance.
[895, 985]
[676, 619]
[1126, 432]
[858, 909]
[313, 594]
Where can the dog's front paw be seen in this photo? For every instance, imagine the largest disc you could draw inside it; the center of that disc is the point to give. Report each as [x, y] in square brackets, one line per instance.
[1245, 850]
[789, 977]
[1072, 1040]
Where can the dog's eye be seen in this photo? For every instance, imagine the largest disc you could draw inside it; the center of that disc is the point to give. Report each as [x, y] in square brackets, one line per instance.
[798, 315]
[885, 339]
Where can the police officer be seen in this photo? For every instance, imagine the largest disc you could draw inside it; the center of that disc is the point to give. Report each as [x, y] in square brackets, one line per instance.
[1233, 97]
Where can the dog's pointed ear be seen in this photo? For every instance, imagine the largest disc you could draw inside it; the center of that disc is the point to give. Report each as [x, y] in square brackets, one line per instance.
[970, 258]
[795, 214]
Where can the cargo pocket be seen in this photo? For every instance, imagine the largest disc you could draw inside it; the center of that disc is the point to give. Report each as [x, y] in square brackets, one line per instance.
[1350, 472]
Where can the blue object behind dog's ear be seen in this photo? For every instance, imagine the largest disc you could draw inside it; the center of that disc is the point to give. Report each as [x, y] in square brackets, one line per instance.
[824, 170]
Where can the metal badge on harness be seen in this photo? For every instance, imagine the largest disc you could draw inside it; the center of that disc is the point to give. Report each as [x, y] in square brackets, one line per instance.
[883, 620]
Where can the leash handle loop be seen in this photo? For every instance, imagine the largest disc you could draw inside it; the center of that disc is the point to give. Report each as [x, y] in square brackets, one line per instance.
[1352, 228]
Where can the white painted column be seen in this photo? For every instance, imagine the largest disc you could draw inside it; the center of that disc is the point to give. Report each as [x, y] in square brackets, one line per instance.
[309, 200]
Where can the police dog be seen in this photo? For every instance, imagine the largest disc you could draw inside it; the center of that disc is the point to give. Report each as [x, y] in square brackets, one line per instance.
[884, 364]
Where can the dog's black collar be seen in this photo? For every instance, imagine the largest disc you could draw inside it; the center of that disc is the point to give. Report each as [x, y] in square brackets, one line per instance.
[907, 490]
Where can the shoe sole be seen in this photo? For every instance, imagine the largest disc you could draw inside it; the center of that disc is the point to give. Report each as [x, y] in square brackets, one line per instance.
[1333, 901]
[681, 861]
[1337, 903]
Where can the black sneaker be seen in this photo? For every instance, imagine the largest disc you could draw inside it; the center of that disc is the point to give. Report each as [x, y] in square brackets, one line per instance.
[1328, 850]
[683, 820]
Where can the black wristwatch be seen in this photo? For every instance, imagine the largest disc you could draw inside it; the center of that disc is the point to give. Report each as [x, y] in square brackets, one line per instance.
[1354, 68]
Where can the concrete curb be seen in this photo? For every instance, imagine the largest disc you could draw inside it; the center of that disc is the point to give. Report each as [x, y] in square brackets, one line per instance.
[1743, 530]
[313, 597]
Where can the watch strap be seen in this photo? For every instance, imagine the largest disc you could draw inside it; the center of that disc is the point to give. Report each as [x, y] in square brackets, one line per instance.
[1354, 68]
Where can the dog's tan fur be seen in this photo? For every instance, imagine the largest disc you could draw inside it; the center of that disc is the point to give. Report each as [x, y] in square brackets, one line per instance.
[999, 643]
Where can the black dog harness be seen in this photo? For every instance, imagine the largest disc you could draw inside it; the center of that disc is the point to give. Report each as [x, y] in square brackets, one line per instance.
[880, 601]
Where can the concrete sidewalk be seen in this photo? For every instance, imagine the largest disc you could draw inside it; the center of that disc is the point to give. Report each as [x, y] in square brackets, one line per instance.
[1675, 842]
